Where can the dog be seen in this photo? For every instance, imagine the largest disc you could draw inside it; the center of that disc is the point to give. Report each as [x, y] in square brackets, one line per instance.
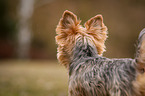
[80, 50]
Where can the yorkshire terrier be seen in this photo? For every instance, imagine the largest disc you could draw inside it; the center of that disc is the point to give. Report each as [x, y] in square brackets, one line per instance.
[80, 50]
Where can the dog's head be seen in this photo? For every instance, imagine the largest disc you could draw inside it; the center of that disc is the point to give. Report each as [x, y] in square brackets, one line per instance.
[69, 30]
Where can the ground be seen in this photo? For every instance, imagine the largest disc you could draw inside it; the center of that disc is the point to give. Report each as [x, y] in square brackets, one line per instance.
[32, 78]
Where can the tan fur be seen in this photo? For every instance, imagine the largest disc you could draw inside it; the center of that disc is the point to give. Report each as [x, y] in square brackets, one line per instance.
[141, 56]
[140, 80]
[139, 85]
[96, 28]
[69, 29]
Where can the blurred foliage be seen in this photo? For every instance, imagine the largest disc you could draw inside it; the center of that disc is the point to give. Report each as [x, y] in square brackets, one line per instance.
[124, 19]
[7, 22]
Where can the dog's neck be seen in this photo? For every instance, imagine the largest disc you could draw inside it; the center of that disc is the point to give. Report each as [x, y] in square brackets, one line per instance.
[84, 48]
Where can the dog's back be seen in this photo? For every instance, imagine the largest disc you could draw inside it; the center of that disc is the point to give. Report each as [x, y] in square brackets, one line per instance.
[93, 75]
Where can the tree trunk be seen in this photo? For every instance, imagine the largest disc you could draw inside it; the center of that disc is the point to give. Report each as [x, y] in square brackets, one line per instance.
[24, 31]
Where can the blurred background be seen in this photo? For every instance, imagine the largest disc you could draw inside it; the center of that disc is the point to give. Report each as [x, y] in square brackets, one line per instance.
[28, 65]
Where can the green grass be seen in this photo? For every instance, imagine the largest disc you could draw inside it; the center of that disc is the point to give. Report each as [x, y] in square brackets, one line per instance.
[32, 78]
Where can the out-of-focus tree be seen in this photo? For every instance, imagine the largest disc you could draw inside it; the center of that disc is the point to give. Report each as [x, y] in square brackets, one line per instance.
[24, 33]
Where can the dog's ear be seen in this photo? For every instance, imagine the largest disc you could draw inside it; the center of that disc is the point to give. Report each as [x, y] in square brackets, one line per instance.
[66, 29]
[68, 20]
[96, 28]
[94, 22]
